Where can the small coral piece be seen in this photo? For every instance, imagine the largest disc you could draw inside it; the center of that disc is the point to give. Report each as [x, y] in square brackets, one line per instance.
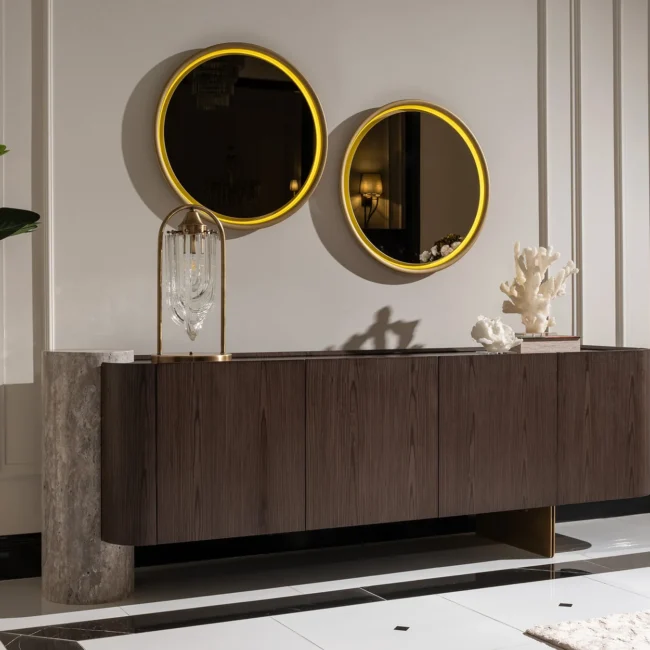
[529, 293]
[494, 335]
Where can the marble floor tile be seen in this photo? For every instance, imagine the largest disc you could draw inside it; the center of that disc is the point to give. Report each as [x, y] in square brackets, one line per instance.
[409, 624]
[6, 638]
[17, 623]
[259, 633]
[23, 597]
[525, 605]
[634, 580]
[623, 562]
[611, 536]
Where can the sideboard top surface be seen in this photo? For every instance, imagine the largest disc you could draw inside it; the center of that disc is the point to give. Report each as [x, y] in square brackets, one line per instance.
[391, 353]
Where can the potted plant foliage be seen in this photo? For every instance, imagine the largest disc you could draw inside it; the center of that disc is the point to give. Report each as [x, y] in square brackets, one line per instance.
[14, 221]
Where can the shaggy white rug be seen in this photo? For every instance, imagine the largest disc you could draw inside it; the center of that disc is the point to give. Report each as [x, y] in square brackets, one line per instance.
[616, 632]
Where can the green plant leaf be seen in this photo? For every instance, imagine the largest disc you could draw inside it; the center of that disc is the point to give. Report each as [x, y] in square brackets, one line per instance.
[3, 149]
[14, 221]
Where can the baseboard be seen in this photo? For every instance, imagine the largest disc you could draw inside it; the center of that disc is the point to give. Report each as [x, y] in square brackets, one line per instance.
[603, 509]
[20, 555]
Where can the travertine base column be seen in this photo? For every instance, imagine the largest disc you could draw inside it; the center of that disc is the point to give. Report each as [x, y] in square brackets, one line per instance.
[78, 568]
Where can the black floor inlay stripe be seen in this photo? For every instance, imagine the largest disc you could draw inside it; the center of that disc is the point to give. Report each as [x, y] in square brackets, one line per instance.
[69, 633]
[65, 636]
[218, 613]
[15, 642]
[449, 584]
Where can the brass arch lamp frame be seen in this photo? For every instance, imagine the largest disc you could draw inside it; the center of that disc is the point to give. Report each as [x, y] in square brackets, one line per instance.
[481, 168]
[172, 358]
[320, 128]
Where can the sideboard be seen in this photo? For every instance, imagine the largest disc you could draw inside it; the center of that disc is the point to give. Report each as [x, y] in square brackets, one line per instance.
[290, 442]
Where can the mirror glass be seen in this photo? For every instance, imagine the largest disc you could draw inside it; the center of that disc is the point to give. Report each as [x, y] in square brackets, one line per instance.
[240, 137]
[415, 188]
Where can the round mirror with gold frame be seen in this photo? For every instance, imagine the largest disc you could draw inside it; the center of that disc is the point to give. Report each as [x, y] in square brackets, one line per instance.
[241, 132]
[414, 187]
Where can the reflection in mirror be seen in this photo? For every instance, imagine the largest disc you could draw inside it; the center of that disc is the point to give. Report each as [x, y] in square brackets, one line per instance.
[239, 136]
[414, 187]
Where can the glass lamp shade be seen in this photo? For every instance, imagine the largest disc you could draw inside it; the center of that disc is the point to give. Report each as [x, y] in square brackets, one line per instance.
[294, 186]
[191, 275]
[371, 185]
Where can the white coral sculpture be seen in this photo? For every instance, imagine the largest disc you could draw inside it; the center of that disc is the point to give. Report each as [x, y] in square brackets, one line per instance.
[529, 293]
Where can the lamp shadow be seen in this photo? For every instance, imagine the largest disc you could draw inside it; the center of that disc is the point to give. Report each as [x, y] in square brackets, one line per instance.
[330, 221]
[139, 145]
[377, 333]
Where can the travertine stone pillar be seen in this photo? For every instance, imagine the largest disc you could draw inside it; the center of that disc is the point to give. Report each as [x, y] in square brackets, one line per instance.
[78, 568]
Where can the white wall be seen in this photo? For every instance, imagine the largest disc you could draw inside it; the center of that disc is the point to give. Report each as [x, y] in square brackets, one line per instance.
[555, 91]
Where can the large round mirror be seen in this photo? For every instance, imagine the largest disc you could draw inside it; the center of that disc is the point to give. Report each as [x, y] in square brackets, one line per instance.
[414, 186]
[240, 131]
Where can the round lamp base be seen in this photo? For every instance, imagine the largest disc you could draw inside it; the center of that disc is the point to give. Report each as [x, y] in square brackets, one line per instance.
[191, 358]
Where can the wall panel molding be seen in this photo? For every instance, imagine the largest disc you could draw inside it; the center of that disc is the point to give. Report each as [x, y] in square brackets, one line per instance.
[576, 162]
[597, 171]
[3, 350]
[618, 177]
[555, 160]
[48, 176]
[633, 174]
[20, 284]
[542, 121]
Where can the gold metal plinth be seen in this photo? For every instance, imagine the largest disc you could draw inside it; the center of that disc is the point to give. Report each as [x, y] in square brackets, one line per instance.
[189, 358]
[531, 530]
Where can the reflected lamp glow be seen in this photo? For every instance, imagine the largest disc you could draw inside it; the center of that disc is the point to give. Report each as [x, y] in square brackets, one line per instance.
[370, 189]
[371, 186]
[294, 186]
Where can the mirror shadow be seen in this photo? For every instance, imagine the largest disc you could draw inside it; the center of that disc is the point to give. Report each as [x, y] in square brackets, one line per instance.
[330, 221]
[138, 142]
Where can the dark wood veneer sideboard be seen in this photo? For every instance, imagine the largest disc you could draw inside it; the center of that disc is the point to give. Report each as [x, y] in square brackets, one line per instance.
[281, 443]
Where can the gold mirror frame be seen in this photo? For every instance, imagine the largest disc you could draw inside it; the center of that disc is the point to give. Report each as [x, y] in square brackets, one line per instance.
[481, 167]
[320, 145]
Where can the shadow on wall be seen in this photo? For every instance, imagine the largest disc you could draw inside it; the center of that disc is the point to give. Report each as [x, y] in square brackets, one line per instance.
[376, 335]
[139, 145]
[328, 214]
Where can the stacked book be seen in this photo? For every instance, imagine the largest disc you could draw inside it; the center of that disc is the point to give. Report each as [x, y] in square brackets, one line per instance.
[539, 343]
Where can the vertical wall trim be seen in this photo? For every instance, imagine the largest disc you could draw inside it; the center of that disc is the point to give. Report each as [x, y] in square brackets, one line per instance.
[48, 190]
[3, 329]
[618, 177]
[542, 123]
[576, 163]
[3, 20]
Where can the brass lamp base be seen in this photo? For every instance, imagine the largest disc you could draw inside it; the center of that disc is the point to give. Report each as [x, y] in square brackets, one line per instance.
[191, 358]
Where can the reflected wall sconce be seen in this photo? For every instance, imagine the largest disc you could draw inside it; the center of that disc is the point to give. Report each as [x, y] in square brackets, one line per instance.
[370, 189]
[188, 270]
[294, 186]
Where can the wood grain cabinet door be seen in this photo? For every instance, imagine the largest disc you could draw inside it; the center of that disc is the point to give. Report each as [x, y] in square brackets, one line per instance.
[231, 449]
[604, 445]
[372, 441]
[498, 433]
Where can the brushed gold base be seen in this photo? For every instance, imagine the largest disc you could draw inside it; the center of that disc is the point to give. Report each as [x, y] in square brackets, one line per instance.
[531, 530]
[189, 358]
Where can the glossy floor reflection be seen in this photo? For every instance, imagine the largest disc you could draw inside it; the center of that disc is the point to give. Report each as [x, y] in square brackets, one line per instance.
[454, 592]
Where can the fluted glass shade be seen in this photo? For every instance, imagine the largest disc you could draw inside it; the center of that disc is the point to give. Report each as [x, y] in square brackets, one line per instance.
[191, 275]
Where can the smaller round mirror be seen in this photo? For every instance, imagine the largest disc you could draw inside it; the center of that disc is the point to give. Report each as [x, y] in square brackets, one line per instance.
[414, 187]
